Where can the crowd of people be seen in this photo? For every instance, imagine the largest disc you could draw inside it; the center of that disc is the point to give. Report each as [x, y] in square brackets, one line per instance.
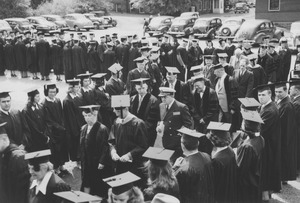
[170, 122]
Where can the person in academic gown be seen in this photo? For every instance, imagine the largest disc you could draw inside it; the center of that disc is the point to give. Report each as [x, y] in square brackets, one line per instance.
[43, 54]
[195, 171]
[9, 57]
[174, 82]
[56, 59]
[224, 163]
[285, 55]
[182, 60]
[122, 51]
[172, 54]
[249, 157]
[271, 132]
[14, 174]
[128, 138]
[31, 59]
[208, 70]
[288, 133]
[73, 118]
[38, 136]
[86, 90]
[94, 154]
[45, 182]
[219, 50]
[115, 86]
[165, 47]
[54, 119]
[146, 107]
[20, 55]
[194, 56]
[78, 61]
[230, 48]
[92, 58]
[67, 61]
[109, 58]
[2, 66]
[266, 62]
[209, 49]
[134, 53]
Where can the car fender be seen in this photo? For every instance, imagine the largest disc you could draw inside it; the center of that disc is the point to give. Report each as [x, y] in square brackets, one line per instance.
[163, 28]
[258, 38]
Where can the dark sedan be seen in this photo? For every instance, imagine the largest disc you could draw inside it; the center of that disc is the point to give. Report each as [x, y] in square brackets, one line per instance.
[43, 25]
[160, 24]
[182, 25]
[58, 20]
[19, 23]
[206, 27]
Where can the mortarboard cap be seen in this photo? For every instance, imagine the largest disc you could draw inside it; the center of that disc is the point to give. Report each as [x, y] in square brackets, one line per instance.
[134, 41]
[173, 70]
[264, 87]
[93, 42]
[40, 33]
[114, 34]
[115, 68]
[189, 132]
[91, 34]
[164, 91]
[185, 40]
[98, 76]
[208, 56]
[252, 57]
[164, 198]
[83, 36]
[155, 49]
[247, 46]
[4, 94]
[145, 48]
[32, 92]
[266, 37]
[274, 40]
[84, 75]
[27, 32]
[196, 68]
[77, 196]
[294, 82]
[49, 86]
[54, 41]
[222, 55]
[157, 35]
[102, 37]
[194, 40]
[295, 74]
[129, 36]
[263, 45]
[158, 154]
[140, 80]
[217, 66]
[38, 157]
[120, 101]
[140, 59]
[73, 82]
[281, 84]
[271, 44]
[197, 78]
[90, 108]
[79, 33]
[123, 37]
[251, 116]
[283, 40]
[218, 126]
[122, 182]
[249, 102]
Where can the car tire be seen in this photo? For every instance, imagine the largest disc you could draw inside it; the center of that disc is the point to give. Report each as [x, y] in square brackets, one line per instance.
[87, 29]
[226, 31]
[76, 28]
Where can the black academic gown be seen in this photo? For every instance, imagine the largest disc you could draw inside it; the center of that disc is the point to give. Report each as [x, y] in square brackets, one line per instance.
[132, 75]
[196, 179]
[2, 65]
[133, 54]
[225, 170]
[271, 156]
[148, 112]
[73, 122]
[92, 60]
[296, 103]
[94, 150]
[55, 184]
[249, 169]
[87, 97]
[55, 122]
[31, 59]
[100, 51]
[67, 62]
[78, 61]
[14, 176]
[9, 57]
[56, 59]
[288, 140]
[43, 54]
[115, 87]
[284, 63]
[20, 55]
[109, 58]
[179, 90]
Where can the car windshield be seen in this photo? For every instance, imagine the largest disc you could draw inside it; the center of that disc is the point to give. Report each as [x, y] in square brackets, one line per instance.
[232, 22]
[295, 27]
[201, 22]
[179, 21]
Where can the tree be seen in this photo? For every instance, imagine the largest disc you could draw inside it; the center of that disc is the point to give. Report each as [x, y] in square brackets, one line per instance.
[14, 8]
[35, 3]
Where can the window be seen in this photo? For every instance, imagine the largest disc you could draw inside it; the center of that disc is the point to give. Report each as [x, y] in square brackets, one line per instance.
[200, 5]
[216, 4]
[262, 26]
[274, 5]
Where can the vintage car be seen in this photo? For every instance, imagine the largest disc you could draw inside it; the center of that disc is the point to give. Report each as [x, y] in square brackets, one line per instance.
[206, 27]
[42, 25]
[112, 22]
[58, 20]
[241, 7]
[257, 29]
[230, 26]
[295, 32]
[99, 22]
[182, 25]
[4, 26]
[160, 24]
[20, 23]
[78, 21]
[190, 14]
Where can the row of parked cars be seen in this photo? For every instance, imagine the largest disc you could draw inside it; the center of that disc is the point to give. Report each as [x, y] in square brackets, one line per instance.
[49, 23]
[210, 28]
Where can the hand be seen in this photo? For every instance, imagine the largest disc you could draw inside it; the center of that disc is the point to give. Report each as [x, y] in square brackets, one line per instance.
[232, 111]
[163, 53]
[178, 162]
[22, 147]
[125, 158]
[170, 52]
[115, 157]
[100, 166]
[202, 121]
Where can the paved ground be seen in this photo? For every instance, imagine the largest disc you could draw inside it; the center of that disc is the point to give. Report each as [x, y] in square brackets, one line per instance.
[127, 24]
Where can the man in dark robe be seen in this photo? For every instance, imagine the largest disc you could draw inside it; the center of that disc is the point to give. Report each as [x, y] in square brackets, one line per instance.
[128, 138]
[174, 83]
[115, 86]
[9, 57]
[78, 62]
[54, 119]
[183, 60]
[209, 49]
[14, 174]
[270, 131]
[56, 59]
[67, 61]
[32, 60]
[164, 49]
[2, 65]
[208, 70]
[122, 51]
[20, 55]
[219, 50]
[267, 62]
[94, 154]
[230, 48]
[244, 79]
[92, 58]
[146, 107]
[92, 39]
[194, 172]
[86, 90]
[224, 163]
[73, 118]
[288, 133]
[276, 60]
[195, 54]
[43, 54]
[109, 58]
[133, 54]
[285, 55]
[223, 61]
[100, 50]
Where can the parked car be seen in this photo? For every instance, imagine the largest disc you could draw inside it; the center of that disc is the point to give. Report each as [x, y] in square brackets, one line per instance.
[295, 32]
[109, 19]
[4, 26]
[241, 7]
[206, 27]
[257, 29]
[190, 14]
[41, 24]
[78, 21]
[20, 23]
[99, 22]
[182, 25]
[230, 26]
[160, 24]
[58, 20]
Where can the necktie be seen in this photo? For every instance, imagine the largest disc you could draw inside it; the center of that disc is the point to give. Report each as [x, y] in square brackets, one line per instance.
[140, 102]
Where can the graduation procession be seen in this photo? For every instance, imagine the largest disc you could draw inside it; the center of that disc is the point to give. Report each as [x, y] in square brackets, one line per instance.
[166, 120]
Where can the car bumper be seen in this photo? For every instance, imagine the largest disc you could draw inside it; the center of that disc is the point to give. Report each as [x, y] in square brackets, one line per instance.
[176, 33]
[202, 35]
[88, 27]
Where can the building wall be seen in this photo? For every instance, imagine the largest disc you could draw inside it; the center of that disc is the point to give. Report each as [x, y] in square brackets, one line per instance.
[203, 6]
[289, 10]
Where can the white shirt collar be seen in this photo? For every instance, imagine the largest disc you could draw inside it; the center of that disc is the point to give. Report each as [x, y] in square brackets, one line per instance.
[86, 89]
[41, 186]
[191, 154]
[73, 95]
[170, 105]
[6, 112]
[266, 103]
[50, 100]
[279, 100]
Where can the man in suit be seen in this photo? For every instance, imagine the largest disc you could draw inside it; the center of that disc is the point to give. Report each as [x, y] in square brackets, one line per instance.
[266, 61]
[244, 79]
[208, 70]
[223, 61]
[182, 59]
[270, 131]
[173, 115]
[227, 92]
[136, 73]
[146, 107]
[174, 83]
[285, 59]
